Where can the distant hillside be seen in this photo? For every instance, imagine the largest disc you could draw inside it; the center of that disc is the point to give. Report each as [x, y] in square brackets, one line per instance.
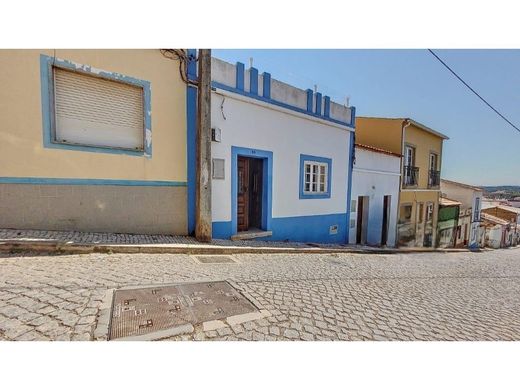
[507, 192]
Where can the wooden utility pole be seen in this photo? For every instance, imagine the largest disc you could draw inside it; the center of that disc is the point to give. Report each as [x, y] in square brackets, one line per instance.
[203, 142]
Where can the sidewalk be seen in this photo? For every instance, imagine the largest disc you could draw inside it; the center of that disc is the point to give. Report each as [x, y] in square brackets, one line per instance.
[12, 240]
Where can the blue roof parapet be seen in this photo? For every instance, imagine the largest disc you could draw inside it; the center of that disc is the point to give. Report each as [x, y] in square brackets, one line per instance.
[262, 87]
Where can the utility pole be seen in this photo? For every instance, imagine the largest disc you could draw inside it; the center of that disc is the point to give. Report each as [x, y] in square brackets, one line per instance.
[203, 142]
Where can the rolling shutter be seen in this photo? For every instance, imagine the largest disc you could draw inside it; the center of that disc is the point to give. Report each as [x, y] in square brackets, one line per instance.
[94, 111]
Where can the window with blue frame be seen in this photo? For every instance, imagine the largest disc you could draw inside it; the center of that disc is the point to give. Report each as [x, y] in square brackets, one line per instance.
[93, 110]
[315, 177]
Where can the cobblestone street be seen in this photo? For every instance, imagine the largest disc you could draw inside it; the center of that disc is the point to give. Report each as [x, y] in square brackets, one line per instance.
[427, 296]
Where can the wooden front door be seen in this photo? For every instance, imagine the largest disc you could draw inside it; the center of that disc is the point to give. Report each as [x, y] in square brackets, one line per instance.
[255, 193]
[386, 215]
[359, 231]
[243, 194]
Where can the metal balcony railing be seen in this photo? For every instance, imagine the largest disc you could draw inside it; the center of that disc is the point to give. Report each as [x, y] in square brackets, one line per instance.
[410, 176]
[434, 178]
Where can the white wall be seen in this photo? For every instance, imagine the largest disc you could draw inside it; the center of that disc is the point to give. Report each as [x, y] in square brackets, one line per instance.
[246, 122]
[494, 236]
[376, 175]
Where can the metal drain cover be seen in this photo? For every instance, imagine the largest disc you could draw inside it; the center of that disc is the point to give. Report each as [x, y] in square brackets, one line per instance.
[146, 310]
[214, 259]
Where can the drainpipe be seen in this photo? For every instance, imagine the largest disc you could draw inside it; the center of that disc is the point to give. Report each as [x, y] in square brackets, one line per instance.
[404, 125]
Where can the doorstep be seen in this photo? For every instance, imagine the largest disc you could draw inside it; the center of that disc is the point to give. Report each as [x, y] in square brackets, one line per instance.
[251, 234]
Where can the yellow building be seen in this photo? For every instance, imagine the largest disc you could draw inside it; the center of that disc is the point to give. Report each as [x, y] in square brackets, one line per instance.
[421, 154]
[93, 140]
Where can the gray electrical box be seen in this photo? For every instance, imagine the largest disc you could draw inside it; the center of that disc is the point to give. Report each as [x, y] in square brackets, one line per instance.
[218, 169]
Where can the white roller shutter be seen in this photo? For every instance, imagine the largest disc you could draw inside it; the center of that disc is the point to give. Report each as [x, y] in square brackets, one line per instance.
[94, 111]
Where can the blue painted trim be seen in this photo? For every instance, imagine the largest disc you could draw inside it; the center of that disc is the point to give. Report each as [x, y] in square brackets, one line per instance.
[91, 182]
[318, 104]
[216, 84]
[192, 64]
[326, 108]
[191, 127]
[310, 98]
[240, 76]
[267, 190]
[266, 85]
[253, 81]
[328, 161]
[221, 230]
[47, 91]
[349, 181]
[191, 154]
[309, 228]
[353, 116]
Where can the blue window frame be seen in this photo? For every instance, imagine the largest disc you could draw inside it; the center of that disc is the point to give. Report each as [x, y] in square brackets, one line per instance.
[47, 66]
[315, 177]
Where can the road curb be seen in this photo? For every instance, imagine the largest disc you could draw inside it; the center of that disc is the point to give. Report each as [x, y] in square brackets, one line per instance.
[72, 248]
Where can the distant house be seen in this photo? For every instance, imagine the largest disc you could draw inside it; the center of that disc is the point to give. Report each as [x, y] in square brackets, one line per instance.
[509, 214]
[467, 233]
[421, 148]
[447, 222]
[375, 196]
[497, 231]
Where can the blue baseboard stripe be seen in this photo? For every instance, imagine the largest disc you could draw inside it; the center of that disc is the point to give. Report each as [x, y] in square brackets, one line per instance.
[312, 228]
[90, 182]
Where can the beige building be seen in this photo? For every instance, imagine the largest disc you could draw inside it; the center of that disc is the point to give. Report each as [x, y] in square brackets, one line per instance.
[93, 140]
[421, 150]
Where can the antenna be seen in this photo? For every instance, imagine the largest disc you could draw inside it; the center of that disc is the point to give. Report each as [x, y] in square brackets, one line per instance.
[315, 88]
[250, 62]
[347, 101]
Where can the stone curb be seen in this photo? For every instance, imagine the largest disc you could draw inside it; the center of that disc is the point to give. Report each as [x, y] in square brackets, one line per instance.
[103, 318]
[67, 248]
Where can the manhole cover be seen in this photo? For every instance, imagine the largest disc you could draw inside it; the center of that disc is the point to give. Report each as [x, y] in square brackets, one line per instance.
[213, 259]
[146, 310]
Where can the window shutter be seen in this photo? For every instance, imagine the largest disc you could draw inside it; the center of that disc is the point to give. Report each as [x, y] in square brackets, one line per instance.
[94, 111]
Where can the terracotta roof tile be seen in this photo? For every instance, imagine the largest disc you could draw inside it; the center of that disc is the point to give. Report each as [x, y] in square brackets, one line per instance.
[377, 150]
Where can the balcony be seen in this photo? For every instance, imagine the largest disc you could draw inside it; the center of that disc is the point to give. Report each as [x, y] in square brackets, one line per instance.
[410, 176]
[434, 178]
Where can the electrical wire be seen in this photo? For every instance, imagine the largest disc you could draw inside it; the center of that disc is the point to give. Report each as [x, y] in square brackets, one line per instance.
[472, 90]
[182, 57]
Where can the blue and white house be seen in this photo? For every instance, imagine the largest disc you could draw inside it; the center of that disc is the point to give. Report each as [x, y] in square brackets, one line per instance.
[281, 159]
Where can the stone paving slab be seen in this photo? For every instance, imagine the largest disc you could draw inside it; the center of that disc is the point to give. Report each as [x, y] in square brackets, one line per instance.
[422, 296]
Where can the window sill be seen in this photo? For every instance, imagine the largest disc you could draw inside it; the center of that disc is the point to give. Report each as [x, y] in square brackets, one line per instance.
[95, 149]
[315, 196]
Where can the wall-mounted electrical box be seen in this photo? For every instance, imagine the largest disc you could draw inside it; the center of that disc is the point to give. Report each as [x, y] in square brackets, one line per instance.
[216, 134]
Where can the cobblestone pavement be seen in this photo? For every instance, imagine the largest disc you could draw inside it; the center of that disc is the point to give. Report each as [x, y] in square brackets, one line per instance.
[136, 239]
[426, 296]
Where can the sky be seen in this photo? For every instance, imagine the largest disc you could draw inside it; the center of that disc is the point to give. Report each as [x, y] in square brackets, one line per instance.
[482, 150]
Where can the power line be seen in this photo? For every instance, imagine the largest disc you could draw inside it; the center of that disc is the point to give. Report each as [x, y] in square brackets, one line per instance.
[472, 90]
